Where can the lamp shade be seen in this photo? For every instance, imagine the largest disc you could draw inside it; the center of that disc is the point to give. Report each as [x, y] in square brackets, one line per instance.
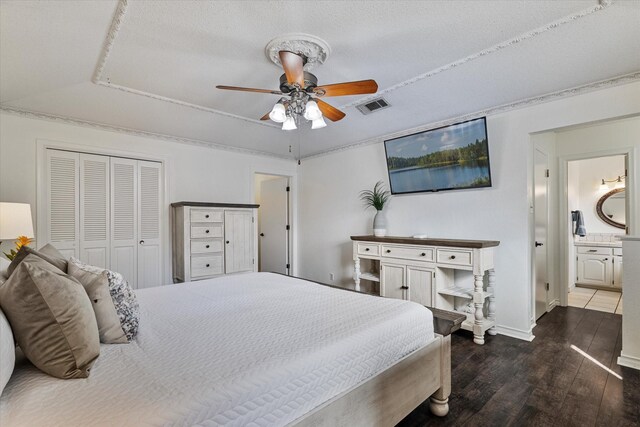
[15, 221]
[318, 123]
[289, 124]
[278, 113]
[312, 112]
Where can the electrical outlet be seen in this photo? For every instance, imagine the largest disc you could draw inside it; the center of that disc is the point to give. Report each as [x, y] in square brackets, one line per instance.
[331, 276]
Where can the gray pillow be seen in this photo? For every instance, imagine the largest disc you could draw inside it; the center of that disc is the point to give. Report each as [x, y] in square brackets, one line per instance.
[48, 253]
[113, 301]
[51, 318]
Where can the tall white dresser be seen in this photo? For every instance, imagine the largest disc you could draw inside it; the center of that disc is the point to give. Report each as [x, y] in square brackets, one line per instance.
[213, 239]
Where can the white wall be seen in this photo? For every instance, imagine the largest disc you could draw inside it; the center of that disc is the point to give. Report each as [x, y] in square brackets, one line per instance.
[193, 173]
[588, 180]
[330, 211]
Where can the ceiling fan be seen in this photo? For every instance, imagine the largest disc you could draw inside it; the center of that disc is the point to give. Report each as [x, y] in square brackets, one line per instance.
[302, 94]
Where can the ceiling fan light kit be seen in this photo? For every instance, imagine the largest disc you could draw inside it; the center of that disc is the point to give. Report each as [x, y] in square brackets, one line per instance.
[297, 53]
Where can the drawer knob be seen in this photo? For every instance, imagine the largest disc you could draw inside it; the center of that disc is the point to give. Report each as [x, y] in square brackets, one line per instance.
[206, 216]
[388, 251]
[452, 257]
[605, 259]
[593, 250]
[366, 249]
[207, 246]
[227, 242]
[206, 231]
[423, 254]
[404, 287]
[207, 265]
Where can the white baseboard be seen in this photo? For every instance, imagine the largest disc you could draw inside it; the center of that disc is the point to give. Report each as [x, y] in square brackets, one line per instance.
[629, 361]
[553, 304]
[515, 333]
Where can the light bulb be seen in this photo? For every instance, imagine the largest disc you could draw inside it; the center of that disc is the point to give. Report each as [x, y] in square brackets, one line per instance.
[289, 124]
[318, 123]
[312, 112]
[278, 113]
[604, 186]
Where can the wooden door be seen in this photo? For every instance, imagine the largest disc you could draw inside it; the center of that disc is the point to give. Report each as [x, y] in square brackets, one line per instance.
[94, 210]
[124, 215]
[148, 224]
[594, 269]
[541, 219]
[392, 281]
[420, 283]
[273, 218]
[238, 235]
[62, 210]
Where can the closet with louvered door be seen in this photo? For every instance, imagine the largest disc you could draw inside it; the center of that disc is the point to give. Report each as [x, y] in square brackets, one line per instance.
[107, 212]
[62, 193]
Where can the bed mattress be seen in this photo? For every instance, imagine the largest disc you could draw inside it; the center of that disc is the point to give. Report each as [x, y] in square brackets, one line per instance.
[254, 349]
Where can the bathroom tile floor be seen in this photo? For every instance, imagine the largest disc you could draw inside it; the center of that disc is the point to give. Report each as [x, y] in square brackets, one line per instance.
[592, 299]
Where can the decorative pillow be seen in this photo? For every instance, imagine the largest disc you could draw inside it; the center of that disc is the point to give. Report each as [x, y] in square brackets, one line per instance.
[47, 253]
[51, 318]
[7, 351]
[113, 300]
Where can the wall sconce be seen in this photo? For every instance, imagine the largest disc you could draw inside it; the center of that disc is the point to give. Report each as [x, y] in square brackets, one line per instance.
[619, 183]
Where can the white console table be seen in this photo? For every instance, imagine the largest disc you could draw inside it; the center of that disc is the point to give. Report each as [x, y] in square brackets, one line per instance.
[422, 270]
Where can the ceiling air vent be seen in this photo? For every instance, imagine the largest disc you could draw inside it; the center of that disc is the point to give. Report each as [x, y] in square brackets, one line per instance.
[373, 106]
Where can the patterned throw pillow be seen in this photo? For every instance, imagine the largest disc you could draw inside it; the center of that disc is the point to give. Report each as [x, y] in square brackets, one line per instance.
[114, 302]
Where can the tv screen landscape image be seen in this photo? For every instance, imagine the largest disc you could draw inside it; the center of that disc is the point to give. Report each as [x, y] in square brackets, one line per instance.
[448, 158]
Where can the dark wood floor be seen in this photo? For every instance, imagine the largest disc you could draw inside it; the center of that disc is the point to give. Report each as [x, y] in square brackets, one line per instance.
[542, 383]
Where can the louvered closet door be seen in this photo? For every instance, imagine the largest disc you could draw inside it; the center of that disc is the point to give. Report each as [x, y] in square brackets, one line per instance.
[149, 253]
[238, 234]
[94, 210]
[124, 223]
[62, 197]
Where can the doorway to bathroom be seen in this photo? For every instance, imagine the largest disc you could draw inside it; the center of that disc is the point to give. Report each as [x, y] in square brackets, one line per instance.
[596, 199]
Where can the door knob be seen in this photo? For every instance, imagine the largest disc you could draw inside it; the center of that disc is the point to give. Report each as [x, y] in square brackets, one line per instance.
[539, 244]
[142, 242]
[261, 234]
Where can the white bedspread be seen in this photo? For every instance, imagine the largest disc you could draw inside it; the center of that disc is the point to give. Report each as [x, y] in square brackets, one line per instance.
[253, 349]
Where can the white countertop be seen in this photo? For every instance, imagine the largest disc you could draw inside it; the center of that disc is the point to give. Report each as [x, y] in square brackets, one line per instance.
[599, 244]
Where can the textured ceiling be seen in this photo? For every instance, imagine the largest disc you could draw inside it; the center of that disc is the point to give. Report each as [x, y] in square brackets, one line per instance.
[433, 61]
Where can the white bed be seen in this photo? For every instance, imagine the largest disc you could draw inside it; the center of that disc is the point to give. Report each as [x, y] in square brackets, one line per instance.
[253, 349]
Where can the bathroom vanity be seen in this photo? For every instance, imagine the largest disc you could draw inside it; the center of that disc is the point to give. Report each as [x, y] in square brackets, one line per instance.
[599, 264]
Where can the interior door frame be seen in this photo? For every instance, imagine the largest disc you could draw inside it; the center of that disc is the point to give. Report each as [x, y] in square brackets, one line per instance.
[42, 145]
[293, 211]
[563, 228]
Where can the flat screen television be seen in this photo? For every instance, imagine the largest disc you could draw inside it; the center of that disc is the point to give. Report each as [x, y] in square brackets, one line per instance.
[453, 157]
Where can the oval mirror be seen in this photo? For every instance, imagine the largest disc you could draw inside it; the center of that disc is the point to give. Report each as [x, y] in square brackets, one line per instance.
[611, 208]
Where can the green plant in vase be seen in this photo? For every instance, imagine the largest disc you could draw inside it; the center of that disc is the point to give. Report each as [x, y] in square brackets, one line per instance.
[377, 199]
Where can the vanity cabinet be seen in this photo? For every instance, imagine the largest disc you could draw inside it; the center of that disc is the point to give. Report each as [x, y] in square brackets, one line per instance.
[422, 271]
[599, 266]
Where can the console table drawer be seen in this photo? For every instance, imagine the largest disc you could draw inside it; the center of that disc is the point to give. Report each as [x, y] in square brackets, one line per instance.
[206, 246]
[455, 256]
[369, 249]
[210, 231]
[206, 265]
[404, 252]
[206, 215]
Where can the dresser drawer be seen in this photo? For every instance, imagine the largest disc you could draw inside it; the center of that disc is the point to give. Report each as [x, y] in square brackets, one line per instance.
[206, 246]
[455, 256]
[408, 252]
[206, 215]
[592, 250]
[206, 265]
[213, 230]
[372, 249]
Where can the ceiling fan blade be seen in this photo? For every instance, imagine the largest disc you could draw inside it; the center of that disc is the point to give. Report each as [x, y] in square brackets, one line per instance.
[265, 117]
[329, 111]
[292, 65]
[249, 89]
[347, 88]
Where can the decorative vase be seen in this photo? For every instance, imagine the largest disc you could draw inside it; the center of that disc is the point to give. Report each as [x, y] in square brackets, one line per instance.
[379, 224]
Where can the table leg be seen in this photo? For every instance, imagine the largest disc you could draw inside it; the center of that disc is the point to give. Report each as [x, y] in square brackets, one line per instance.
[356, 273]
[492, 300]
[478, 302]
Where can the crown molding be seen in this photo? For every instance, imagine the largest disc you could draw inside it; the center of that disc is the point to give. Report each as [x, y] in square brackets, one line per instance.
[107, 47]
[135, 132]
[602, 84]
[602, 4]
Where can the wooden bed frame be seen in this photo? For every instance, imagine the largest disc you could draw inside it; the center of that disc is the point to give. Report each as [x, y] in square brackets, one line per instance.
[385, 399]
